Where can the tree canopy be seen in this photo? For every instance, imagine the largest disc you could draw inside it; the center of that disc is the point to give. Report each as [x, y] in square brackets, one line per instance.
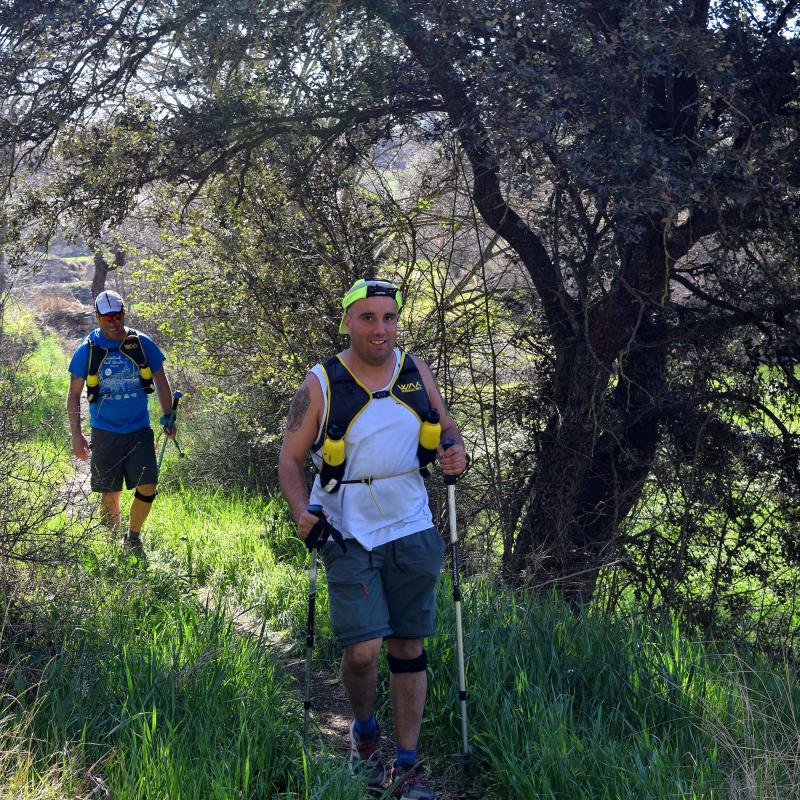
[638, 159]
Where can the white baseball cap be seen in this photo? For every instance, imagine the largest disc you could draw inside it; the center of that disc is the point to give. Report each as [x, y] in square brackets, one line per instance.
[108, 302]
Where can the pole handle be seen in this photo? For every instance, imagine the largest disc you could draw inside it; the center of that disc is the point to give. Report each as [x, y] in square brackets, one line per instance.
[449, 480]
[168, 419]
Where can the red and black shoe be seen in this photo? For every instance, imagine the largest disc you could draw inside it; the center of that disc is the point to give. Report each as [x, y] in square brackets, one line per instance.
[407, 784]
[365, 757]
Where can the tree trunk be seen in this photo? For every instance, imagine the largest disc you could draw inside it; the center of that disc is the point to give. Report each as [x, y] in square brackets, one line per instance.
[592, 464]
[595, 459]
[101, 269]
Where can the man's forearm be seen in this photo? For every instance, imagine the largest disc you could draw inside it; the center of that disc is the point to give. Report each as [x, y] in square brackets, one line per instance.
[74, 414]
[164, 395]
[292, 479]
[452, 432]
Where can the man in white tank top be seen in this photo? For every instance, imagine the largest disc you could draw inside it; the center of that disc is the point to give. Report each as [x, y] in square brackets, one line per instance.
[383, 586]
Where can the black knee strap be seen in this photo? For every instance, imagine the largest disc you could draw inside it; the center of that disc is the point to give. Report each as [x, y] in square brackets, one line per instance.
[400, 665]
[145, 498]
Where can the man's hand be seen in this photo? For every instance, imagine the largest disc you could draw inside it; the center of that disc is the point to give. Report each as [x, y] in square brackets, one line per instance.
[320, 531]
[306, 522]
[453, 460]
[80, 446]
[170, 429]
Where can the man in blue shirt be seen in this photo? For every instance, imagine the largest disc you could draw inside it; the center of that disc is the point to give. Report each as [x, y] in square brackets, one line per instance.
[119, 366]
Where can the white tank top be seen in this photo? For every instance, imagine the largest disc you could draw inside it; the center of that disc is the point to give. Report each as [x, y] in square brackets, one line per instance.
[382, 444]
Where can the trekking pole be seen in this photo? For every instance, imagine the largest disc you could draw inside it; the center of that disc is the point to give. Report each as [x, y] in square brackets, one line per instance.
[167, 421]
[450, 482]
[312, 601]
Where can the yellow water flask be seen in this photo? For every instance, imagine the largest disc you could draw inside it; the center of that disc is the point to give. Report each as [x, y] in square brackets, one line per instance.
[332, 471]
[333, 448]
[431, 431]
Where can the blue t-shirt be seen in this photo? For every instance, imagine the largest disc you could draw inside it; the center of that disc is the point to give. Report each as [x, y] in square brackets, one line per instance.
[121, 406]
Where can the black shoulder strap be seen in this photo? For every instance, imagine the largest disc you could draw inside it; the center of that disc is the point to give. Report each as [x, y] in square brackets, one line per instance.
[132, 348]
[97, 355]
[346, 397]
[409, 389]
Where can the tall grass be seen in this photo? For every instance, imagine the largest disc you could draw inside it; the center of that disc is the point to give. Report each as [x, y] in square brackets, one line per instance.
[129, 689]
[243, 546]
[155, 696]
[595, 708]
[560, 706]
[158, 696]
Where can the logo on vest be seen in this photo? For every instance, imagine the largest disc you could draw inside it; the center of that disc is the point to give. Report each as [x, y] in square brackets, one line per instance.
[129, 346]
[409, 387]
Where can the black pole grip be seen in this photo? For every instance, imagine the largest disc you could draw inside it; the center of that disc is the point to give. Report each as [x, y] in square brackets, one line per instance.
[449, 480]
[318, 531]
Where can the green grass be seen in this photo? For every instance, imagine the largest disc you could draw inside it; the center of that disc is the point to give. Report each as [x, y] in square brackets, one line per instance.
[37, 376]
[153, 695]
[592, 708]
[45, 379]
[168, 699]
[240, 545]
[559, 706]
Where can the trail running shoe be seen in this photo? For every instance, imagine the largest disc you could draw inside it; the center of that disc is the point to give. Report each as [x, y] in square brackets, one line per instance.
[365, 757]
[410, 785]
[132, 542]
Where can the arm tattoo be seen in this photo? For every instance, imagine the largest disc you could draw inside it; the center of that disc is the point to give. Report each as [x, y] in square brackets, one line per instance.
[297, 410]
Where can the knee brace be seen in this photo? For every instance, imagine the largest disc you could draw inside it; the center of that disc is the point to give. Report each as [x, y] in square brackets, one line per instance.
[145, 498]
[401, 665]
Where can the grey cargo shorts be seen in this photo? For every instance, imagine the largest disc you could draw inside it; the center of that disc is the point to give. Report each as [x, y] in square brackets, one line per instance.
[389, 591]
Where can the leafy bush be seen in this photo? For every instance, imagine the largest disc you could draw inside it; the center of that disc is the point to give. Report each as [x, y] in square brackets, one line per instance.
[38, 521]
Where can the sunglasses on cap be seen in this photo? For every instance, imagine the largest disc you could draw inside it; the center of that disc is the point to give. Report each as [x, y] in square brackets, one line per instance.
[369, 288]
[112, 316]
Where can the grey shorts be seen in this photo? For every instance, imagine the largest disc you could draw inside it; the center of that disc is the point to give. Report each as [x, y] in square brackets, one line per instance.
[389, 591]
[115, 456]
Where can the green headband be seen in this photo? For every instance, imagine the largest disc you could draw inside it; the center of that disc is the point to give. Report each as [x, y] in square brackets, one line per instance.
[369, 288]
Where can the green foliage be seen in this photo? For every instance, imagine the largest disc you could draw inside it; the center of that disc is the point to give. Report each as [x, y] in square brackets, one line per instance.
[247, 295]
[152, 691]
[34, 450]
[559, 706]
[244, 548]
[624, 177]
[44, 380]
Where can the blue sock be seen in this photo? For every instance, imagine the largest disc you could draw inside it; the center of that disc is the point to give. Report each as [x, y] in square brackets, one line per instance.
[405, 758]
[366, 728]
